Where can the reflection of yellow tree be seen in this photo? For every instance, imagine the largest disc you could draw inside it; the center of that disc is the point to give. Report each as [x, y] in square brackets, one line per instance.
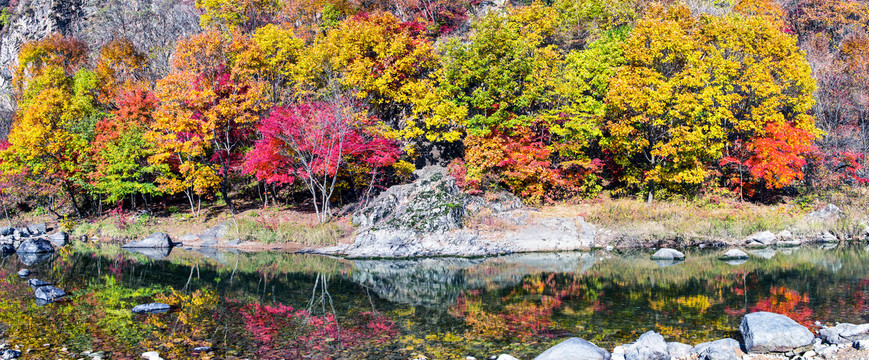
[194, 324]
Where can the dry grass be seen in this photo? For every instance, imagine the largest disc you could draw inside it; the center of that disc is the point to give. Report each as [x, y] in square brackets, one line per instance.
[726, 220]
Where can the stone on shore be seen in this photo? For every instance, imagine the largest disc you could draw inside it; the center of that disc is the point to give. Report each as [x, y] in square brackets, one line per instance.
[37, 229]
[734, 254]
[679, 350]
[35, 246]
[650, 346]
[152, 308]
[154, 241]
[723, 349]
[668, 254]
[574, 349]
[218, 232]
[765, 238]
[769, 332]
[9, 354]
[844, 333]
[24, 273]
[49, 293]
[828, 213]
[506, 357]
[827, 237]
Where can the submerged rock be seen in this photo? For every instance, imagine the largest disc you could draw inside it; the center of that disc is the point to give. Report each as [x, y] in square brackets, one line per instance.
[769, 332]
[152, 308]
[35, 283]
[668, 254]
[155, 240]
[49, 293]
[30, 259]
[574, 349]
[734, 254]
[650, 346]
[151, 253]
[844, 333]
[59, 239]
[35, 246]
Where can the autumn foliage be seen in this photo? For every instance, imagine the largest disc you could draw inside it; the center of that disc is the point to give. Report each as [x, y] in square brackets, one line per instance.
[555, 100]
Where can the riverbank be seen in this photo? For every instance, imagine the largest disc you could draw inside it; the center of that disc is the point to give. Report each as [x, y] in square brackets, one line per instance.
[596, 223]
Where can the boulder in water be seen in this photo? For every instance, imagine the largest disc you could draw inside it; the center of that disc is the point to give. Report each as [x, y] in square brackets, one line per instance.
[574, 349]
[35, 283]
[37, 229]
[668, 254]
[24, 273]
[768, 332]
[764, 237]
[734, 254]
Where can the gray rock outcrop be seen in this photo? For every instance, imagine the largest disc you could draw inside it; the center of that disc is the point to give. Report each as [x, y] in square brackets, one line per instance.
[427, 218]
[844, 333]
[574, 349]
[650, 346]
[155, 240]
[35, 246]
[769, 332]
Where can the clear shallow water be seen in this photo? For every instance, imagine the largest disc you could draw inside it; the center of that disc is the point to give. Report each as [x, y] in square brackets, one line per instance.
[273, 305]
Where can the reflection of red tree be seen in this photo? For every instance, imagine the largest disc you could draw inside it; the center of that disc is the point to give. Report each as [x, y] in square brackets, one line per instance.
[283, 331]
[524, 319]
[786, 302]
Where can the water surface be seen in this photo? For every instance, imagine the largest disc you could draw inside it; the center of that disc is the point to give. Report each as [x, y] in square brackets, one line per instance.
[276, 305]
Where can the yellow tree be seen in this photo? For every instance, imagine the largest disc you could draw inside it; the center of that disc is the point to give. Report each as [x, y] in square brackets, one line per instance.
[692, 89]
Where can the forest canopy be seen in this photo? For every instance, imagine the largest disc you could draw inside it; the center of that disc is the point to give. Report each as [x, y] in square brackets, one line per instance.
[557, 100]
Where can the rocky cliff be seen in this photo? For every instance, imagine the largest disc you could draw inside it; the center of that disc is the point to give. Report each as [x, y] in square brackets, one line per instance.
[153, 25]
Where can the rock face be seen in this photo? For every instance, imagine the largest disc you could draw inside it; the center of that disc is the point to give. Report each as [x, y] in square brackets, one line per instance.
[724, 349]
[844, 333]
[217, 232]
[35, 246]
[427, 217]
[574, 349]
[828, 213]
[150, 24]
[650, 346]
[154, 241]
[152, 308]
[769, 332]
[668, 254]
